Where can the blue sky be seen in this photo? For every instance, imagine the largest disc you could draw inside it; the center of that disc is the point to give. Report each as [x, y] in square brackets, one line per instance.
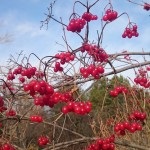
[21, 19]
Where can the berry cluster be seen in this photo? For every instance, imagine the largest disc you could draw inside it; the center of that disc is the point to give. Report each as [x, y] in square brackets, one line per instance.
[97, 53]
[130, 32]
[76, 24]
[122, 127]
[65, 57]
[7, 146]
[137, 115]
[93, 70]
[43, 141]
[51, 100]
[103, 144]
[110, 15]
[134, 123]
[28, 72]
[11, 113]
[88, 16]
[58, 67]
[146, 6]
[80, 108]
[118, 90]
[24, 72]
[142, 81]
[36, 118]
[38, 86]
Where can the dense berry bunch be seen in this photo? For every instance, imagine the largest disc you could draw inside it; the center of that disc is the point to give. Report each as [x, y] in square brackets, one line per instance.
[130, 32]
[142, 81]
[97, 53]
[142, 77]
[146, 6]
[137, 115]
[118, 90]
[7, 146]
[103, 144]
[58, 97]
[43, 141]
[76, 24]
[24, 72]
[36, 118]
[93, 70]
[80, 108]
[88, 16]
[110, 15]
[38, 87]
[64, 57]
[51, 100]
[122, 127]
[11, 113]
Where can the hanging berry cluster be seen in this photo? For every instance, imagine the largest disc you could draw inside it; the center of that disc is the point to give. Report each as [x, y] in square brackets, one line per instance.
[118, 90]
[10, 113]
[110, 15]
[36, 118]
[76, 25]
[142, 78]
[80, 108]
[133, 124]
[24, 73]
[97, 53]
[7, 146]
[130, 31]
[43, 141]
[92, 70]
[102, 144]
[88, 16]
[64, 57]
[137, 116]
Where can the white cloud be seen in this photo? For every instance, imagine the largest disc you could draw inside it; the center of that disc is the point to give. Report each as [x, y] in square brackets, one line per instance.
[30, 29]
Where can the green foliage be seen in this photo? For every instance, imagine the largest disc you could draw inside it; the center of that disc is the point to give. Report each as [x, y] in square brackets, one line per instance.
[99, 94]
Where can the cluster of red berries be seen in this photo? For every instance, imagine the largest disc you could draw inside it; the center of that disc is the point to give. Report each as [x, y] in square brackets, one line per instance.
[65, 57]
[51, 100]
[38, 86]
[58, 67]
[132, 125]
[36, 118]
[88, 16]
[142, 81]
[97, 53]
[146, 6]
[24, 72]
[80, 108]
[93, 70]
[7, 146]
[43, 141]
[137, 115]
[118, 90]
[110, 15]
[103, 144]
[11, 113]
[122, 127]
[76, 24]
[130, 32]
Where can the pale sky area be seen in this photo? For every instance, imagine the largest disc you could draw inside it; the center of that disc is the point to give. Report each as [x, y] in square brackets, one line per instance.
[21, 19]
